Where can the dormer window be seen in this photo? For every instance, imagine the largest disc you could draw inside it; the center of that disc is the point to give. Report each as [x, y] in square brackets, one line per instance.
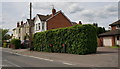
[118, 27]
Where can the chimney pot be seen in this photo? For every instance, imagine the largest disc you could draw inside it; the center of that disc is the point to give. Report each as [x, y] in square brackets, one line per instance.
[21, 22]
[80, 22]
[18, 24]
[53, 11]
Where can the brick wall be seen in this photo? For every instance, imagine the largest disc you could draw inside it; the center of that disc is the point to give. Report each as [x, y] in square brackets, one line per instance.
[113, 27]
[113, 41]
[100, 41]
[58, 21]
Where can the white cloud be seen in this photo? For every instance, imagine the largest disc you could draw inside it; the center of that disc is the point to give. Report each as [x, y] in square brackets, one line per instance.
[102, 13]
[60, 0]
[73, 8]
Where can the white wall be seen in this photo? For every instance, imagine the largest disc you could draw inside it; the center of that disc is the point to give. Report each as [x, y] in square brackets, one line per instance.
[16, 34]
[22, 34]
[37, 21]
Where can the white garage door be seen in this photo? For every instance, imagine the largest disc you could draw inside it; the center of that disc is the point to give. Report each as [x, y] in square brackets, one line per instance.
[107, 41]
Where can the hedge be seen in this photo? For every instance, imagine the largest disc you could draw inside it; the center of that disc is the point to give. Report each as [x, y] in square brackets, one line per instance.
[78, 39]
[16, 43]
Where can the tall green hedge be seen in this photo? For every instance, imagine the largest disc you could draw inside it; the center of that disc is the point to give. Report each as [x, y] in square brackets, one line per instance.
[78, 39]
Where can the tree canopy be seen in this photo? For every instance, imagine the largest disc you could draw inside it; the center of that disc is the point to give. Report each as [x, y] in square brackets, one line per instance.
[99, 29]
[4, 35]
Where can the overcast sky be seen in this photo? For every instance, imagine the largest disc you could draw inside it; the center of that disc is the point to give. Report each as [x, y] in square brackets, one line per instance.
[103, 13]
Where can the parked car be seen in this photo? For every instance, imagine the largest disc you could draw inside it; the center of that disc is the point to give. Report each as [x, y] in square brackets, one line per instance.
[25, 44]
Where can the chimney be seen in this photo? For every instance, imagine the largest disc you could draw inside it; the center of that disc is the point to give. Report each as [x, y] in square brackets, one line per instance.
[30, 10]
[18, 24]
[53, 11]
[80, 22]
[21, 23]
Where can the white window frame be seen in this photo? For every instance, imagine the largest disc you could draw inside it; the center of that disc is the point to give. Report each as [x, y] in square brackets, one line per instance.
[43, 26]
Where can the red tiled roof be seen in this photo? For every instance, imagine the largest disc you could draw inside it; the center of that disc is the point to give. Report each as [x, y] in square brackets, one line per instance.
[46, 17]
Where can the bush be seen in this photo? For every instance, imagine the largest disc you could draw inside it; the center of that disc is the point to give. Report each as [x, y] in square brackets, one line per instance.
[16, 43]
[78, 39]
[5, 45]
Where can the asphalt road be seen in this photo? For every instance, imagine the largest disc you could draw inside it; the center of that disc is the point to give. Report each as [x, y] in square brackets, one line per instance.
[14, 60]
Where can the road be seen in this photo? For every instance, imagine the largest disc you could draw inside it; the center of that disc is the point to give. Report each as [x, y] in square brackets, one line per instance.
[14, 60]
[22, 62]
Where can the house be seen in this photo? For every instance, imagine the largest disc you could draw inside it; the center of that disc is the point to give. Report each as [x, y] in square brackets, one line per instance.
[52, 21]
[111, 38]
[21, 31]
[42, 23]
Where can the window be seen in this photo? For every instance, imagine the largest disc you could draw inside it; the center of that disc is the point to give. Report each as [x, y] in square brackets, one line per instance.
[42, 26]
[39, 26]
[19, 30]
[118, 26]
[36, 26]
[118, 38]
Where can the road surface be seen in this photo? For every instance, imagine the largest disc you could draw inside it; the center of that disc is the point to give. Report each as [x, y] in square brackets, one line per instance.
[14, 60]
[22, 62]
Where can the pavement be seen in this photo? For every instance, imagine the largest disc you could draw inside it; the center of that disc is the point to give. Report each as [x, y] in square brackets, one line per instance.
[105, 57]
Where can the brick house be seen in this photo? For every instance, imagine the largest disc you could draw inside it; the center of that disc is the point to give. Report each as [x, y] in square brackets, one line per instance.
[52, 21]
[111, 38]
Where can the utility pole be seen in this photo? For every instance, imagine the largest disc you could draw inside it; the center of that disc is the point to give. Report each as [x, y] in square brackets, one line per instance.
[30, 26]
[30, 10]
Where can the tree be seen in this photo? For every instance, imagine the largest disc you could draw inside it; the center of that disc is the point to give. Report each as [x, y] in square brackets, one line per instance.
[3, 33]
[100, 30]
[95, 24]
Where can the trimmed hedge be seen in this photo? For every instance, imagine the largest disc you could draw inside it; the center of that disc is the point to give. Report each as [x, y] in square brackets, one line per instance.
[78, 39]
[16, 43]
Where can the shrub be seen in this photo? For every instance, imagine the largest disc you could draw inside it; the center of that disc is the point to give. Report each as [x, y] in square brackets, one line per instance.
[5, 45]
[78, 39]
[16, 43]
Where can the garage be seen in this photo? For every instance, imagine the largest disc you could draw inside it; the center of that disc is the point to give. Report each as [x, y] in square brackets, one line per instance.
[107, 41]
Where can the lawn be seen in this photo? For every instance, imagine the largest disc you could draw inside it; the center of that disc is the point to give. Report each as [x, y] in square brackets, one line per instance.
[115, 47]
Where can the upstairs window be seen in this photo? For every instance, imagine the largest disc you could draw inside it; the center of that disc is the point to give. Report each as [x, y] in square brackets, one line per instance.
[118, 38]
[36, 26]
[39, 25]
[19, 30]
[43, 26]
